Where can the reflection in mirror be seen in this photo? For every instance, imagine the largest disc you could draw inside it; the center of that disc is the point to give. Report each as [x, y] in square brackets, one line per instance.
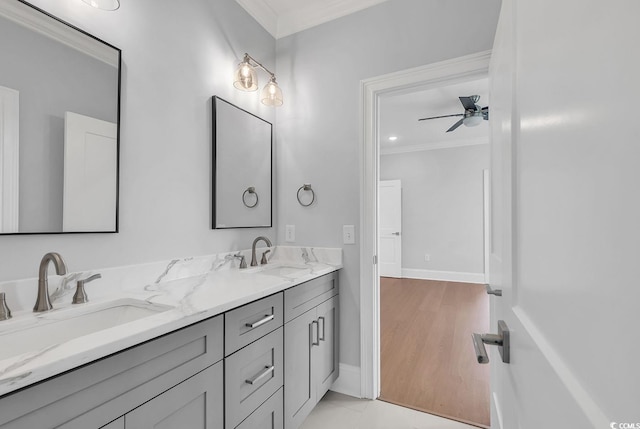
[241, 168]
[59, 122]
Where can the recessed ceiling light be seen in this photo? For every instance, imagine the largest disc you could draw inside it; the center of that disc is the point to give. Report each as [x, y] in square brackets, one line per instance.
[393, 138]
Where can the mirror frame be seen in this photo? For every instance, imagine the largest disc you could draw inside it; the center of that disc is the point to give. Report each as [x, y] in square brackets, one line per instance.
[118, 119]
[214, 171]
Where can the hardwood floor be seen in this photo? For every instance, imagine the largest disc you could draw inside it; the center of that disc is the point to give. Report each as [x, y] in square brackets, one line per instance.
[427, 357]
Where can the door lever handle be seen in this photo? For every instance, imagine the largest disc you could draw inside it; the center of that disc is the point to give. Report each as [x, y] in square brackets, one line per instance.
[501, 340]
[496, 292]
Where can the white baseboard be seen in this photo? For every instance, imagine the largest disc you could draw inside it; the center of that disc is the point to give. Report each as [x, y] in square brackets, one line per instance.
[348, 383]
[448, 276]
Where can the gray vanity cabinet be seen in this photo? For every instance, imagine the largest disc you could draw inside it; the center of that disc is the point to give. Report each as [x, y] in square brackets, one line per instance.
[310, 347]
[196, 403]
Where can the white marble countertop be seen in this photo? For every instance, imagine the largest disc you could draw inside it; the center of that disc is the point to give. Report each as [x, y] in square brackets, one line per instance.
[195, 288]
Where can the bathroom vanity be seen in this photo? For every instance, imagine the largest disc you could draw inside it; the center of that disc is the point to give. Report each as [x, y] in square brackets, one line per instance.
[253, 348]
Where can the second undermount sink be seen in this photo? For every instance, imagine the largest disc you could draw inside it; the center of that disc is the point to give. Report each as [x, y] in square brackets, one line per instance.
[58, 326]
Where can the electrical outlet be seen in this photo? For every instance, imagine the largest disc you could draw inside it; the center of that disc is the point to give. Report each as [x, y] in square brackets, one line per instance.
[348, 234]
[427, 257]
[290, 233]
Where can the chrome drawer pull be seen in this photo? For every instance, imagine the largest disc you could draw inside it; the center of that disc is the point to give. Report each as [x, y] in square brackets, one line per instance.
[267, 370]
[265, 319]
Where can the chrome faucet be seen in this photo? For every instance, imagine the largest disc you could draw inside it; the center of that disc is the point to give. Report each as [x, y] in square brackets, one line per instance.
[254, 260]
[43, 302]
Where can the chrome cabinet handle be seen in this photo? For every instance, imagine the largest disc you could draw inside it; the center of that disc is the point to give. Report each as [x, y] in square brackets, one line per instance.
[265, 319]
[502, 340]
[267, 370]
[319, 337]
[395, 233]
[496, 292]
[314, 343]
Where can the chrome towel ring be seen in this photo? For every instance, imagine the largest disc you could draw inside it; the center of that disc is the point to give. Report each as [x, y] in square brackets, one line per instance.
[252, 191]
[306, 187]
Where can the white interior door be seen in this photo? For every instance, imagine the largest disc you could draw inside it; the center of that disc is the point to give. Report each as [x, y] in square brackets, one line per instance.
[90, 174]
[9, 159]
[564, 247]
[390, 234]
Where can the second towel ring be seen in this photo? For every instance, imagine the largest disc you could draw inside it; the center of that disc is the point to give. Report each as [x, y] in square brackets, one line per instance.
[250, 190]
[306, 187]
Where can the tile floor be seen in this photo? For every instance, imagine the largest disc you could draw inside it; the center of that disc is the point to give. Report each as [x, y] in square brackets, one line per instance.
[337, 411]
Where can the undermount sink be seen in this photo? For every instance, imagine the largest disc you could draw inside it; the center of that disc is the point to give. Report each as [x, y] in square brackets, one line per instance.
[57, 326]
[289, 271]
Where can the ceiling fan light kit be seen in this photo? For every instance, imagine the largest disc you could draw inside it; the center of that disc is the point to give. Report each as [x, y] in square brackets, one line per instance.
[473, 114]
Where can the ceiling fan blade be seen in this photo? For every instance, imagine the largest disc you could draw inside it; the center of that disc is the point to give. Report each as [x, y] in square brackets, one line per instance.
[438, 117]
[468, 103]
[456, 125]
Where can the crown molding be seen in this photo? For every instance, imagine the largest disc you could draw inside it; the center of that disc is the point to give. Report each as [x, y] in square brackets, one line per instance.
[304, 16]
[30, 18]
[261, 12]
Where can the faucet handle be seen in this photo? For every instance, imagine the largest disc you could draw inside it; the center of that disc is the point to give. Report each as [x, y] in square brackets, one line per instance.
[5, 313]
[80, 297]
[264, 261]
[243, 261]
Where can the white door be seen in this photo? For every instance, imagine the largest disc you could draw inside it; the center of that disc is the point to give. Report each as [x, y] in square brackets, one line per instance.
[90, 174]
[390, 234]
[565, 213]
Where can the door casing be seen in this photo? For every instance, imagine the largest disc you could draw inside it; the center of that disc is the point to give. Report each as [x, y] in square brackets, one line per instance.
[469, 67]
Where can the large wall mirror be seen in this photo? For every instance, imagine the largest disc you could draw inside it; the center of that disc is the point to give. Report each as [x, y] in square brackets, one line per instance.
[242, 146]
[59, 125]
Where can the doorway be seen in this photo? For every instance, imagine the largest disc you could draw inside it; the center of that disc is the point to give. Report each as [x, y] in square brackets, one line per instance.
[429, 77]
[432, 295]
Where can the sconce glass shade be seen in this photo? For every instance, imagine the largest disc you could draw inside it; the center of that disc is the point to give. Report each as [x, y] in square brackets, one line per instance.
[271, 94]
[245, 78]
[104, 4]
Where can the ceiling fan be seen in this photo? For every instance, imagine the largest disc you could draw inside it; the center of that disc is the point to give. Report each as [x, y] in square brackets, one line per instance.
[472, 116]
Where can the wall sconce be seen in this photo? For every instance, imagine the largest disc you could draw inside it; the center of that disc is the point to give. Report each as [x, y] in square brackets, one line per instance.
[104, 4]
[246, 79]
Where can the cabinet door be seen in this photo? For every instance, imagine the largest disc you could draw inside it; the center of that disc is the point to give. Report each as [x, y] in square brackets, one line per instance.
[196, 403]
[299, 388]
[325, 356]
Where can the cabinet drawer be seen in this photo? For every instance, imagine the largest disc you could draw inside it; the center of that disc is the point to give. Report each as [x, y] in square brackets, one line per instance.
[304, 297]
[252, 375]
[246, 324]
[267, 416]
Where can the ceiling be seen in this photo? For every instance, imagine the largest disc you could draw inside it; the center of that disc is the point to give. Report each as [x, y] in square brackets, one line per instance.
[284, 17]
[399, 116]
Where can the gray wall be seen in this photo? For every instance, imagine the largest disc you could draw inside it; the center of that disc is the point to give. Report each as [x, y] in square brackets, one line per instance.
[52, 78]
[442, 206]
[320, 70]
[176, 55]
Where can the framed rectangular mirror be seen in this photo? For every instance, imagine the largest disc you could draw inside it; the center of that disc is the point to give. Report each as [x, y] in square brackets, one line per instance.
[59, 125]
[242, 152]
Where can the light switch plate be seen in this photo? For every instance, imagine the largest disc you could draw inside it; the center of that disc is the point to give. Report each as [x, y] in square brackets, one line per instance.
[290, 233]
[348, 234]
